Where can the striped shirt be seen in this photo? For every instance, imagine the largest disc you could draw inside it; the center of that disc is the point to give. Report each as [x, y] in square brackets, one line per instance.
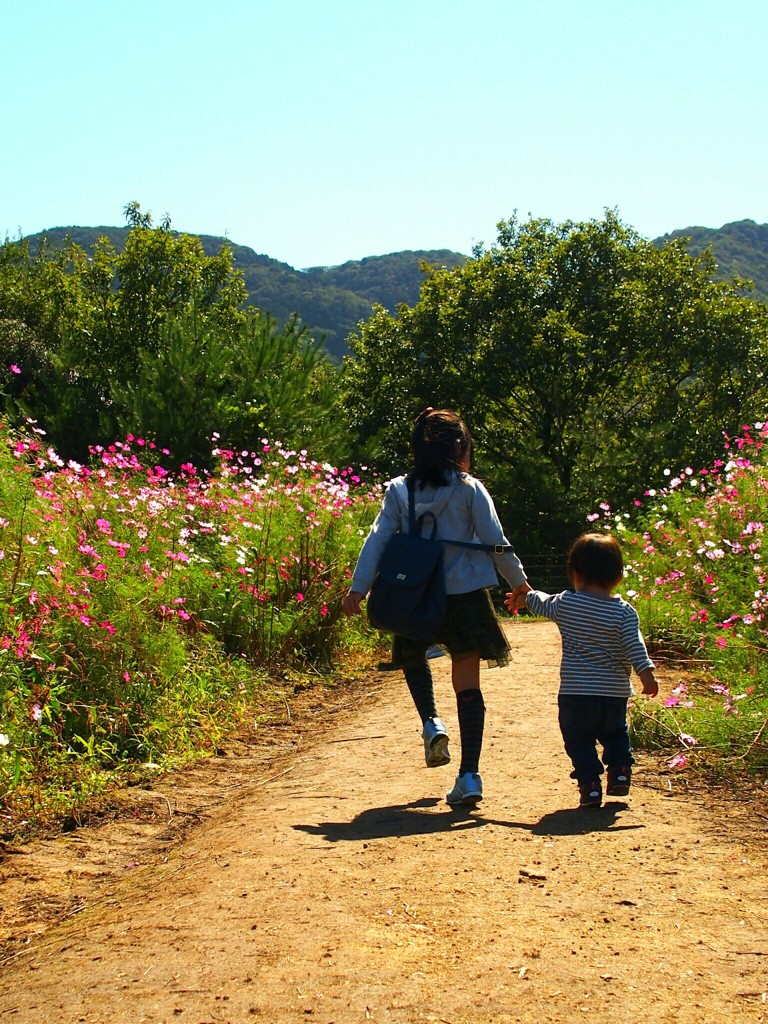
[601, 639]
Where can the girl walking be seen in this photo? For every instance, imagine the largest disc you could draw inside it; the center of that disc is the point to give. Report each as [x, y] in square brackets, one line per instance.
[464, 511]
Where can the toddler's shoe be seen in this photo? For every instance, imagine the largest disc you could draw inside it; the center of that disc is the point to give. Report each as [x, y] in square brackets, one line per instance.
[590, 794]
[618, 782]
[467, 790]
[435, 739]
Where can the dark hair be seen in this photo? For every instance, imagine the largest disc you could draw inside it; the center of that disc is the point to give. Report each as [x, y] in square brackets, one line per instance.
[440, 442]
[597, 559]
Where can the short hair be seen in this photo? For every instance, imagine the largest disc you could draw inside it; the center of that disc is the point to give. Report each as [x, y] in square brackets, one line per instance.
[597, 559]
[440, 440]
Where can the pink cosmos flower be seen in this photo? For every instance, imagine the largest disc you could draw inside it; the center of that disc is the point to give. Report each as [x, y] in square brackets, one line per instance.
[678, 761]
[720, 688]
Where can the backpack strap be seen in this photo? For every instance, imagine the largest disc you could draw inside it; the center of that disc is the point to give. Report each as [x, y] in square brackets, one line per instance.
[496, 549]
[415, 527]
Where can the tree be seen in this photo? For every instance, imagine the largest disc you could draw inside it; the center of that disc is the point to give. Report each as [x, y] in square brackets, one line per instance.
[42, 289]
[257, 380]
[157, 277]
[585, 357]
[98, 317]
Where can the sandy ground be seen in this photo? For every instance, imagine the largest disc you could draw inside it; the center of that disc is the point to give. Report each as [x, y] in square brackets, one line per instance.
[325, 879]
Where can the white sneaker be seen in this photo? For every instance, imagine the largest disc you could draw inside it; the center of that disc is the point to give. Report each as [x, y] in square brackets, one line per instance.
[468, 789]
[435, 743]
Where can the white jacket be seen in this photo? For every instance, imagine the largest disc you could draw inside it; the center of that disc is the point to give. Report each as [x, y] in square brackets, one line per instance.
[464, 511]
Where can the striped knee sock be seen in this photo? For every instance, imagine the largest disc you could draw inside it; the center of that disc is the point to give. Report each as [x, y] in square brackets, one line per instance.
[471, 724]
[419, 680]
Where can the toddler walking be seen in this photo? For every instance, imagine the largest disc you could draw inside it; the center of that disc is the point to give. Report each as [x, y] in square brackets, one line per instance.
[601, 644]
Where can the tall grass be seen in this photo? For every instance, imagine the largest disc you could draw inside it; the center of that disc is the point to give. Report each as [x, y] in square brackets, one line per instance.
[141, 610]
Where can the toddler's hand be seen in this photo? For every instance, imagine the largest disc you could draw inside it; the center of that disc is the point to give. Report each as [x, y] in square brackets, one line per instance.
[650, 685]
[515, 599]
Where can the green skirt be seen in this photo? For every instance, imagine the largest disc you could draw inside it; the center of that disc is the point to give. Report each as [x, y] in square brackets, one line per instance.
[471, 624]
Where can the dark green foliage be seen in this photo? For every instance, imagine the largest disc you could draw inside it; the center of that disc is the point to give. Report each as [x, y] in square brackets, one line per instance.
[331, 301]
[20, 347]
[389, 280]
[331, 312]
[740, 250]
[260, 380]
[149, 334]
[586, 359]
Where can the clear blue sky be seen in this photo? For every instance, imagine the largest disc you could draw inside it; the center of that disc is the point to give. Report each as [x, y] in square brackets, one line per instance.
[318, 131]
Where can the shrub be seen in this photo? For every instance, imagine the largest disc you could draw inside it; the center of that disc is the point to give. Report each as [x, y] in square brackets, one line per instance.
[696, 570]
[140, 609]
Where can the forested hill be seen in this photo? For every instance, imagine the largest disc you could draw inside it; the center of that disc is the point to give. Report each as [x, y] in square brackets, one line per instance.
[740, 250]
[330, 300]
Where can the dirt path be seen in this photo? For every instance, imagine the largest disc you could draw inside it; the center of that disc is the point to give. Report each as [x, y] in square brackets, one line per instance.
[338, 887]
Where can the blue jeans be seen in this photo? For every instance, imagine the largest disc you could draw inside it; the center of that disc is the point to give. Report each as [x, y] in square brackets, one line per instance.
[586, 720]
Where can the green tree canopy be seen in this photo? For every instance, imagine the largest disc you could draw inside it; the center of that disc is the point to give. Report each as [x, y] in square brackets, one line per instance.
[157, 277]
[585, 357]
[96, 317]
[259, 379]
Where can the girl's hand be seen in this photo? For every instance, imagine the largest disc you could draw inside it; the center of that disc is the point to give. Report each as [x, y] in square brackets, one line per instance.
[351, 603]
[515, 599]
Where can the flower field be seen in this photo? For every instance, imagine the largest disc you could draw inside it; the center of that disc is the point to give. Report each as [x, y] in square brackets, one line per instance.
[141, 611]
[697, 573]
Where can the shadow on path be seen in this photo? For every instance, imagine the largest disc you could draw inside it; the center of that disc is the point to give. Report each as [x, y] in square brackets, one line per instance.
[410, 819]
[577, 821]
[418, 818]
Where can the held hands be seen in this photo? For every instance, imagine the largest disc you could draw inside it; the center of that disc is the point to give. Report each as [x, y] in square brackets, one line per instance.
[650, 685]
[351, 603]
[515, 599]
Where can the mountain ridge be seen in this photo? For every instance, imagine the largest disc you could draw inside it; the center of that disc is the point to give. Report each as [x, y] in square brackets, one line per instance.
[740, 249]
[331, 301]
